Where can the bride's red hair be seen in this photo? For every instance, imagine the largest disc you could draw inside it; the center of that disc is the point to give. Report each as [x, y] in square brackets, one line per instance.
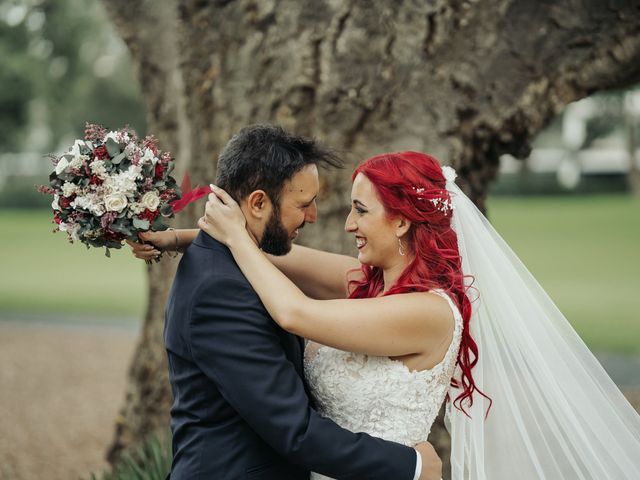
[412, 185]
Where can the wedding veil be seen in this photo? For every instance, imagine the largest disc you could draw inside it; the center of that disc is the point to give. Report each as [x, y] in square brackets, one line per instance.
[556, 414]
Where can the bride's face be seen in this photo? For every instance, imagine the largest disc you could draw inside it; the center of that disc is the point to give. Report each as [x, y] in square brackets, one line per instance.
[375, 233]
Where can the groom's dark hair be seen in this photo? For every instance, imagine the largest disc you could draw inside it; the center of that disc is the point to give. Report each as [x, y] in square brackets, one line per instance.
[263, 157]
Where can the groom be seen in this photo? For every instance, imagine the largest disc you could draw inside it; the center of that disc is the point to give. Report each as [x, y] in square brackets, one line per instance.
[241, 409]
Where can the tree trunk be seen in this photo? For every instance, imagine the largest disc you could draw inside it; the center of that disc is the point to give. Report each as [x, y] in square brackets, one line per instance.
[463, 80]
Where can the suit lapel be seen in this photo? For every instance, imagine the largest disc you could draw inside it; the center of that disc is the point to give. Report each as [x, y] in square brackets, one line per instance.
[302, 345]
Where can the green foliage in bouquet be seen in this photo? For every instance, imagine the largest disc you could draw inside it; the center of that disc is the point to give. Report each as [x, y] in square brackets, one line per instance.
[151, 461]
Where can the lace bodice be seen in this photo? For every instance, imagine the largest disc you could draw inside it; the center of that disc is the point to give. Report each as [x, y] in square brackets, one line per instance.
[378, 395]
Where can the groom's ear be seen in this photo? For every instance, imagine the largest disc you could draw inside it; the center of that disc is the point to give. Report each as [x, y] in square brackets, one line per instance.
[258, 204]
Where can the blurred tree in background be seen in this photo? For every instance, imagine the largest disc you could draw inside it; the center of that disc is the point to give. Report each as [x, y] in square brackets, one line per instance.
[61, 65]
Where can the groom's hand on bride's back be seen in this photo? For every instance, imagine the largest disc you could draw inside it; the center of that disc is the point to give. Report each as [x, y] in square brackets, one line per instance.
[431, 463]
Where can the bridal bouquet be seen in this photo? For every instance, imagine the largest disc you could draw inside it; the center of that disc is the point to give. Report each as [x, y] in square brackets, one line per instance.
[111, 186]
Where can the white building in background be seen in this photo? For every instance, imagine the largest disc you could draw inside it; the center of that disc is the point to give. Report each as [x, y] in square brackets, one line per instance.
[612, 155]
[23, 165]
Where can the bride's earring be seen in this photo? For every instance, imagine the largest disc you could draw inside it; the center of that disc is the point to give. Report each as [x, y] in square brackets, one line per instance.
[400, 247]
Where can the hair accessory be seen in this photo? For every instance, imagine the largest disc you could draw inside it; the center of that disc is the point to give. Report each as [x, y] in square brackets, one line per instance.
[418, 191]
[443, 204]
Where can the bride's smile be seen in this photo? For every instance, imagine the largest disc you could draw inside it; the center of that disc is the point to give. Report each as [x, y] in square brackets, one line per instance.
[377, 234]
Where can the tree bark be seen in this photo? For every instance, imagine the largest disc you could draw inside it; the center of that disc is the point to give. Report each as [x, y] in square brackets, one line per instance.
[463, 80]
[150, 30]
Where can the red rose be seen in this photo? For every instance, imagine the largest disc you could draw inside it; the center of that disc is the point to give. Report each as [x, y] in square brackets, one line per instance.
[95, 180]
[149, 215]
[101, 152]
[159, 170]
[64, 202]
[56, 218]
[116, 236]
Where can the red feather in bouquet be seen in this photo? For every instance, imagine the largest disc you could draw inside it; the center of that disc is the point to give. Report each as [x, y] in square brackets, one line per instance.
[189, 195]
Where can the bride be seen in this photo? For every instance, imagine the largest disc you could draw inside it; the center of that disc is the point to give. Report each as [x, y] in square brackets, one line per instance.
[439, 309]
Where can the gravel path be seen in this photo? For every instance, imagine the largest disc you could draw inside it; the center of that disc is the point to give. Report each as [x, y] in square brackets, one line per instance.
[61, 387]
[60, 391]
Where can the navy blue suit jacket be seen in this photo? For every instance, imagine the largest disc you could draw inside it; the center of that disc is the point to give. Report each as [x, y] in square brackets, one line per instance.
[241, 410]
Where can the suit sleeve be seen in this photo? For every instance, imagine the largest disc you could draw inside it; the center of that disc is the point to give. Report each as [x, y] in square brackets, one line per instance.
[236, 344]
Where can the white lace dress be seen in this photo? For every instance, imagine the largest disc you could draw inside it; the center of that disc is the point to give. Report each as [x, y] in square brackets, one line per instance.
[378, 395]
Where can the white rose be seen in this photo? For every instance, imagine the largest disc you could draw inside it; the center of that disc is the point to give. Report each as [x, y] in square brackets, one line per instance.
[54, 204]
[115, 202]
[62, 165]
[150, 200]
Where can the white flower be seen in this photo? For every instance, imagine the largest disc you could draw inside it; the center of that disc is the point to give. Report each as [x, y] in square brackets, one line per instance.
[148, 156]
[135, 208]
[62, 165]
[69, 189]
[134, 172]
[130, 150]
[115, 202]
[118, 137]
[70, 228]
[78, 161]
[150, 201]
[98, 168]
[54, 204]
[90, 202]
[123, 182]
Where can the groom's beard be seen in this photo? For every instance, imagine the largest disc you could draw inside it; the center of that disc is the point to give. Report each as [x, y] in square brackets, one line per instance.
[275, 239]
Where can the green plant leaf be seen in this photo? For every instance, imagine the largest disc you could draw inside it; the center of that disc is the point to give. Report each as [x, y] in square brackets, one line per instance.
[166, 210]
[158, 224]
[118, 158]
[113, 147]
[140, 224]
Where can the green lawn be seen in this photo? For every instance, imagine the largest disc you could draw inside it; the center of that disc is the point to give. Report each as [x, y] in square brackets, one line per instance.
[585, 251]
[42, 273]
